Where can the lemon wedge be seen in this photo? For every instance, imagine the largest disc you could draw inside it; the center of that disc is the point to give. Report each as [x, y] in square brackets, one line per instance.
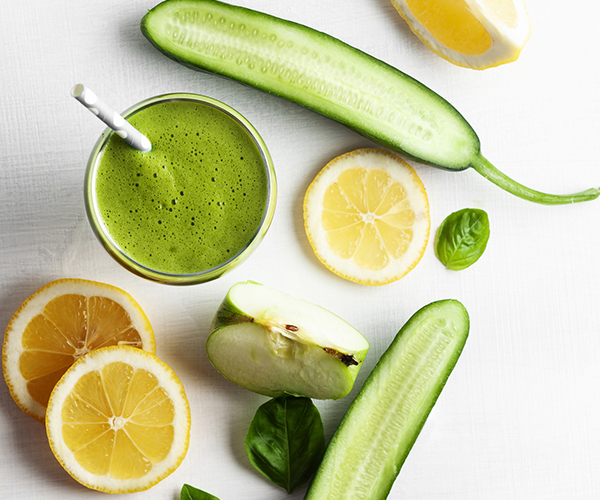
[118, 420]
[477, 34]
[57, 325]
[366, 215]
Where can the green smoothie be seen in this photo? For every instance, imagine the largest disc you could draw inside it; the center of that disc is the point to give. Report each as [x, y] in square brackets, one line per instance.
[192, 203]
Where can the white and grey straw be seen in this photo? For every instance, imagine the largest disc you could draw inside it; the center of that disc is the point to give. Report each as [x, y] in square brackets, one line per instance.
[113, 119]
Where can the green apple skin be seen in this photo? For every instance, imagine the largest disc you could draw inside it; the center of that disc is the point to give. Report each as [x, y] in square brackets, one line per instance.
[254, 356]
[228, 314]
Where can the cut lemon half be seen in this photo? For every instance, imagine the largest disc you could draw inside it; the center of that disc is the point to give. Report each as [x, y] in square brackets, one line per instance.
[59, 323]
[476, 34]
[118, 420]
[366, 216]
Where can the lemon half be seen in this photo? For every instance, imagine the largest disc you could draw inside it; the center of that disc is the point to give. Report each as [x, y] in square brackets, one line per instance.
[366, 215]
[118, 420]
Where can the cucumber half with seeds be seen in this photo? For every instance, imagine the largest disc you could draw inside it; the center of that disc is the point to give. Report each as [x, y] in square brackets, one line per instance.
[326, 75]
[380, 427]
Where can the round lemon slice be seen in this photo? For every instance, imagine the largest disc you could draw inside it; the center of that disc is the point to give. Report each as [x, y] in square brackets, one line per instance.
[366, 215]
[118, 420]
[57, 325]
[476, 34]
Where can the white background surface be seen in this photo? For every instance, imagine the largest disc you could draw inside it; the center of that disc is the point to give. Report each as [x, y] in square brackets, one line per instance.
[520, 415]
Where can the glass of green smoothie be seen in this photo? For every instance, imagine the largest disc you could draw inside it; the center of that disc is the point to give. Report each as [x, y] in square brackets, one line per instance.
[196, 205]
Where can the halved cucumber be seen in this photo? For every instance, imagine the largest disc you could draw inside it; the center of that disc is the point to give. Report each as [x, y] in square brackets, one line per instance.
[380, 427]
[326, 75]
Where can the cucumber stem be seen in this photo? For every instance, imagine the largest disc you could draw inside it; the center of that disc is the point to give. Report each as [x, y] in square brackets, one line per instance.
[491, 173]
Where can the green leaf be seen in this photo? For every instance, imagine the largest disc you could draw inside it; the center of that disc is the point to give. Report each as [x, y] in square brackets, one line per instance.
[190, 493]
[285, 441]
[462, 238]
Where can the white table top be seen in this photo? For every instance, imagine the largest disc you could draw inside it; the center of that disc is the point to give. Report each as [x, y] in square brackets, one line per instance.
[519, 417]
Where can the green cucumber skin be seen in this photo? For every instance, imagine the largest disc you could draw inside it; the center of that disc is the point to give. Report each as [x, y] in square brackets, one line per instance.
[286, 59]
[346, 458]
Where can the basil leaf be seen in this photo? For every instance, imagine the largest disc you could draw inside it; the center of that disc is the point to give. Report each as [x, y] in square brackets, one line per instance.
[285, 441]
[462, 238]
[190, 493]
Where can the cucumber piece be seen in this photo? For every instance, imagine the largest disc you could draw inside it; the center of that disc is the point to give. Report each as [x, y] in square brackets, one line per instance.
[380, 427]
[317, 71]
[330, 77]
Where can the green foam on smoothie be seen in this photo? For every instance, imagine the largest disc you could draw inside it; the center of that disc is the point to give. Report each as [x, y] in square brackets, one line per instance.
[192, 203]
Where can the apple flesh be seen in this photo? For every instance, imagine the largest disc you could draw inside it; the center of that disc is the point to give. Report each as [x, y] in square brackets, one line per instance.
[272, 343]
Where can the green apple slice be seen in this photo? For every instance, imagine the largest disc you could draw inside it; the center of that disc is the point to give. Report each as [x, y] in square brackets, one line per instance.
[272, 343]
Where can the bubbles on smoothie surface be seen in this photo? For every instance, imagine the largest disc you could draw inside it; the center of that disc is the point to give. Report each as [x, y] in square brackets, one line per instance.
[191, 203]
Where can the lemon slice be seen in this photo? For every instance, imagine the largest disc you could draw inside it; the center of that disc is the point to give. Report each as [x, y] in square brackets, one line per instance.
[476, 34]
[118, 420]
[366, 215]
[58, 324]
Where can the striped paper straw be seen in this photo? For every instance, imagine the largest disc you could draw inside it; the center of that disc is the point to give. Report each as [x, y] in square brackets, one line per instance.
[114, 120]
